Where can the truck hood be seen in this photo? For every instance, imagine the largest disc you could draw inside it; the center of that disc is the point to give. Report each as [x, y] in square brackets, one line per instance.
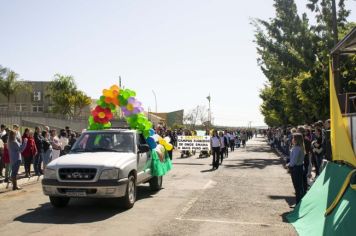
[93, 159]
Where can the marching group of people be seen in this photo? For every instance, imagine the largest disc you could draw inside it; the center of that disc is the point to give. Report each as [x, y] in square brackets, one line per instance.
[223, 140]
[33, 148]
[305, 147]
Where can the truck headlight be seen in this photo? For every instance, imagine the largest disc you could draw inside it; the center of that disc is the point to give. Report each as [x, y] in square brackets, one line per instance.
[110, 174]
[49, 174]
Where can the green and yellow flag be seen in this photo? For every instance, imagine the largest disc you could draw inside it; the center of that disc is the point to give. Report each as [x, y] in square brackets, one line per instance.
[340, 138]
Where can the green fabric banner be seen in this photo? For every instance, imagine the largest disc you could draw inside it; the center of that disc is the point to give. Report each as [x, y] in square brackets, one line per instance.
[309, 218]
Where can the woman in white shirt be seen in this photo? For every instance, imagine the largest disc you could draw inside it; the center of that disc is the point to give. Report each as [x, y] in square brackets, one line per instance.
[64, 141]
[55, 143]
[223, 146]
[215, 147]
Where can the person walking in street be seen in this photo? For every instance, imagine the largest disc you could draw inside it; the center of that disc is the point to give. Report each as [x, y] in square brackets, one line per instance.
[296, 165]
[223, 146]
[171, 138]
[232, 141]
[215, 147]
[30, 151]
[15, 149]
[227, 143]
[243, 138]
[37, 163]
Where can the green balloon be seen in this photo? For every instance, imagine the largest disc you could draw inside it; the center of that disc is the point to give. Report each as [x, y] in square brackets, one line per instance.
[91, 119]
[146, 134]
[122, 100]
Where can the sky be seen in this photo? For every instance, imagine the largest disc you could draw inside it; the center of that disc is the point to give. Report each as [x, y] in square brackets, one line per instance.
[181, 50]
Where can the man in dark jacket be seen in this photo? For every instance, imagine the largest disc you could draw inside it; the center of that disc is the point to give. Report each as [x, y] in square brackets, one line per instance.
[38, 158]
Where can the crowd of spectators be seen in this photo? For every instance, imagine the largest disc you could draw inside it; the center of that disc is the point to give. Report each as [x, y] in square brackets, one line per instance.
[305, 148]
[33, 149]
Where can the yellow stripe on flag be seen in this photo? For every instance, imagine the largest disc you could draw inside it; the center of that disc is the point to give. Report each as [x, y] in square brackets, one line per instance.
[340, 139]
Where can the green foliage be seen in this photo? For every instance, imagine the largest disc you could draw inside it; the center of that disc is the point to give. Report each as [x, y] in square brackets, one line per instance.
[66, 98]
[10, 83]
[294, 57]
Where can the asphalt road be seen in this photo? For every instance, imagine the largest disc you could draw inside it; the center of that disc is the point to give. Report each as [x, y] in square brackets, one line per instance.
[249, 194]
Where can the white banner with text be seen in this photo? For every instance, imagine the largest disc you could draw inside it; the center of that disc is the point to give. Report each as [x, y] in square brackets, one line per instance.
[198, 143]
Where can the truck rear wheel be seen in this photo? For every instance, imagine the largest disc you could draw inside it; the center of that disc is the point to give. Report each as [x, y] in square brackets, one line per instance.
[59, 202]
[156, 183]
[130, 196]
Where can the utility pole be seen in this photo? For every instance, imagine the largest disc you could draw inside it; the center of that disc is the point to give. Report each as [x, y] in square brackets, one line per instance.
[155, 99]
[335, 31]
[336, 56]
[209, 114]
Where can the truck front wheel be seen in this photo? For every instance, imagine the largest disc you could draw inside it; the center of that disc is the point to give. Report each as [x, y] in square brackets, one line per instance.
[59, 202]
[130, 196]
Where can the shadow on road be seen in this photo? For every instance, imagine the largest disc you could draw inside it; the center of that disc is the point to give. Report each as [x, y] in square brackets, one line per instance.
[209, 170]
[189, 164]
[289, 199]
[253, 163]
[79, 210]
[284, 217]
[258, 148]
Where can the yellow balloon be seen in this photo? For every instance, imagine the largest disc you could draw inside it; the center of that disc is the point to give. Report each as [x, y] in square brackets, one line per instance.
[107, 93]
[161, 141]
[115, 87]
[168, 146]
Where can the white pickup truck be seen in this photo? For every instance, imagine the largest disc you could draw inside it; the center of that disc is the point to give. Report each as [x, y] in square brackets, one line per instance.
[102, 164]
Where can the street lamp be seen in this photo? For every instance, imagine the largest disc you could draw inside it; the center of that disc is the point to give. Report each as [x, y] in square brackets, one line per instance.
[155, 99]
[209, 98]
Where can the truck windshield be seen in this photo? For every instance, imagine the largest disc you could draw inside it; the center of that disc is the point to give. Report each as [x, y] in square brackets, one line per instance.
[104, 142]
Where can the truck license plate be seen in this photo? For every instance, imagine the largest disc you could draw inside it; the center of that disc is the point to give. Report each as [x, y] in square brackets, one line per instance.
[76, 193]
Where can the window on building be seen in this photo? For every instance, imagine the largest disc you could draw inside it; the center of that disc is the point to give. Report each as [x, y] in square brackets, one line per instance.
[4, 107]
[37, 108]
[37, 96]
[21, 107]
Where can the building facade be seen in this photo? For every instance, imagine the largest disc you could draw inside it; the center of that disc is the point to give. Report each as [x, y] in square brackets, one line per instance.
[30, 99]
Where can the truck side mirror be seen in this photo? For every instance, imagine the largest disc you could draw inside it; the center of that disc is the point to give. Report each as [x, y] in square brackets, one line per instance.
[142, 148]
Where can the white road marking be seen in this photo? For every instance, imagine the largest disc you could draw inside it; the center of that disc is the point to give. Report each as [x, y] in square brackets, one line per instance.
[233, 222]
[187, 208]
[189, 205]
[209, 184]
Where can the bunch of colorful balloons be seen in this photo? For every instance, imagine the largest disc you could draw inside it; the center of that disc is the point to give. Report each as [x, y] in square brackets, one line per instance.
[125, 99]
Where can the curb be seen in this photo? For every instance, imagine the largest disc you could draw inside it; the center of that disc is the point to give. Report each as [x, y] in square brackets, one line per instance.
[7, 187]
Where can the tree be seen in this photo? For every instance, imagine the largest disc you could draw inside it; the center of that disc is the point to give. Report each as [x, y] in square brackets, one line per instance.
[66, 98]
[294, 57]
[9, 83]
[196, 116]
[81, 101]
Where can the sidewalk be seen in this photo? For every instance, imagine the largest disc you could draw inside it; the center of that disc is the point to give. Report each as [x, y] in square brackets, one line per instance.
[21, 180]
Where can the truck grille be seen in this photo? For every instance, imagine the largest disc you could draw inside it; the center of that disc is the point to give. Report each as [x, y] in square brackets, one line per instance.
[77, 173]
